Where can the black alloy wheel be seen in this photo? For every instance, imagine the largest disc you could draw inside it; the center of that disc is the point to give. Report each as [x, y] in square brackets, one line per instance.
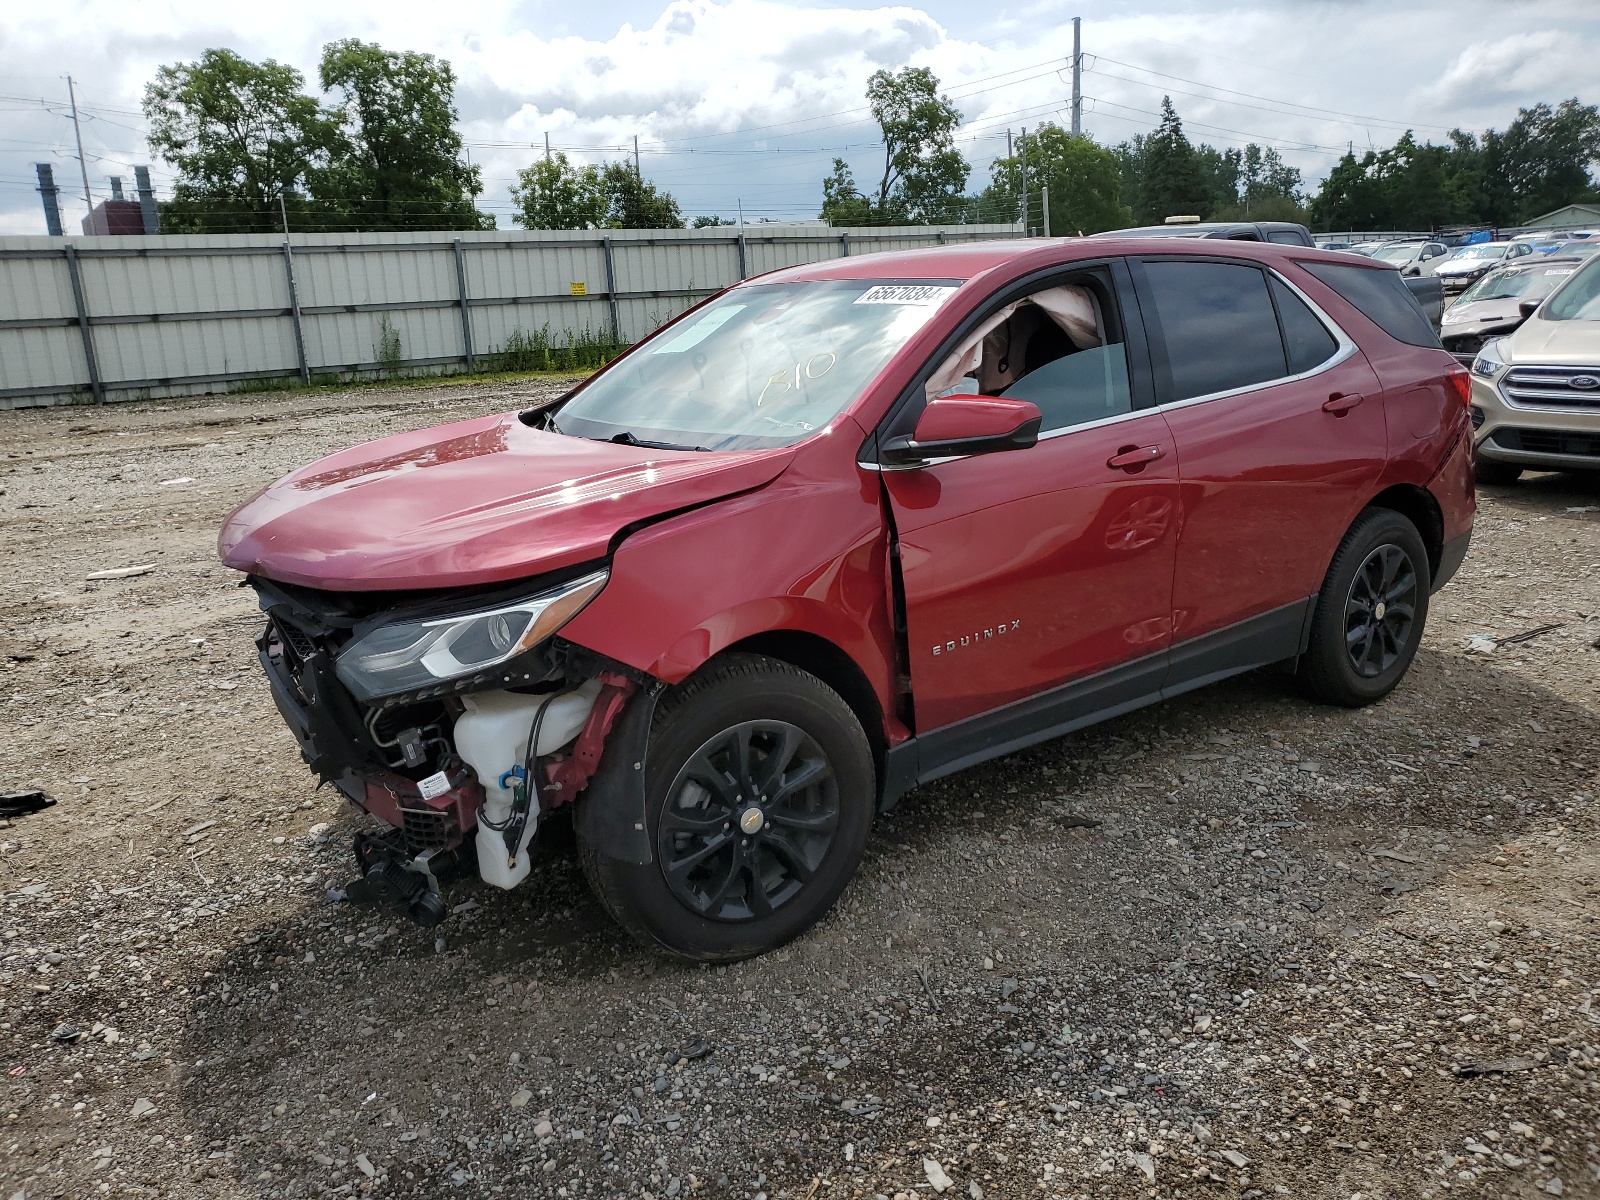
[1380, 611]
[1370, 613]
[748, 821]
[760, 788]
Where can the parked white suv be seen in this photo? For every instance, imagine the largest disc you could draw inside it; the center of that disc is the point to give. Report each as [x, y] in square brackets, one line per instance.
[1536, 393]
[1412, 258]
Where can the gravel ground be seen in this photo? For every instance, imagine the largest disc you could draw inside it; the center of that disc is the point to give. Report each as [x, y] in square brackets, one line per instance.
[1233, 945]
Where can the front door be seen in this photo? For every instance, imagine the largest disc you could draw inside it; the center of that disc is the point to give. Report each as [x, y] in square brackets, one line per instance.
[1024, 570]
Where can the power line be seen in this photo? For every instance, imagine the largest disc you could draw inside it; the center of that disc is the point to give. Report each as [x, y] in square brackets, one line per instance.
[1309, 109]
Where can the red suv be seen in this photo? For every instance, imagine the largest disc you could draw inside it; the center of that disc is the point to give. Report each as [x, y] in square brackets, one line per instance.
[844, 529]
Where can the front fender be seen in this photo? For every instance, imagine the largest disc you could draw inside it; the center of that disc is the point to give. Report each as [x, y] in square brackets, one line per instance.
[807, 553]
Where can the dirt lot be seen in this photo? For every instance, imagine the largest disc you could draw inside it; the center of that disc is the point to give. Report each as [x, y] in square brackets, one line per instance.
[1234, 945]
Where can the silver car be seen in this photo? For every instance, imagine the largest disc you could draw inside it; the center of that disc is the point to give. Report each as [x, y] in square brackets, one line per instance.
[1536, 393]
[1471, 263]
[1412, 258]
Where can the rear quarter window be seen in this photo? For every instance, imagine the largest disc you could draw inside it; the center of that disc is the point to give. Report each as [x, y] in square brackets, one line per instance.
[1381, 296]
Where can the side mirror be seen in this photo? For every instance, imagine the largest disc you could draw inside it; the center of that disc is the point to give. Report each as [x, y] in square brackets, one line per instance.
[1526, 307]
[961, 425]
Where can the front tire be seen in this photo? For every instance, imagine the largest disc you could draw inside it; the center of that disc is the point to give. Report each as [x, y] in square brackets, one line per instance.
[1370, 612]
[759, 797]
[1495, 474]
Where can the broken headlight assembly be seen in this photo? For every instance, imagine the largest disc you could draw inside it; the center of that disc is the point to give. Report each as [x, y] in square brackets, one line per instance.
[421, 654]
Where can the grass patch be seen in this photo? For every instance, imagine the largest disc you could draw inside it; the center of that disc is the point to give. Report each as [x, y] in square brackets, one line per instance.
[536, 350]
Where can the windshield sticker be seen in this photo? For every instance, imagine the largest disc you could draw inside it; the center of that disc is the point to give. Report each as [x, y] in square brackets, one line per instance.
[929, 295]
[700, 330]
[1568, 271]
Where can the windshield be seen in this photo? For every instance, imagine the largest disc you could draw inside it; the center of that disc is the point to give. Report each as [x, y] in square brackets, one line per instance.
[1514, 283]
[1482, 250]
[1579, 297]
[762, 366]
[1395, 254]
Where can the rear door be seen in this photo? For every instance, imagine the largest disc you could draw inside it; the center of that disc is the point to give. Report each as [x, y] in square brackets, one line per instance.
[1279, 426]
[1025, 570]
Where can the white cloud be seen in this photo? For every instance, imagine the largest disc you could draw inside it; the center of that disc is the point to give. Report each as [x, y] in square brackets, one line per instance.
[1514, 66]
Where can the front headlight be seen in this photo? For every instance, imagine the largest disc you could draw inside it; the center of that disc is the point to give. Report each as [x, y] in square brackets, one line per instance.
[408, 655]
[1489, 363]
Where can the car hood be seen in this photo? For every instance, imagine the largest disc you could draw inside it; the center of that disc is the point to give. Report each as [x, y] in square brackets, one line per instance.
[1558, 343]
[480, 501]
[1466, 266]
[1480, 314]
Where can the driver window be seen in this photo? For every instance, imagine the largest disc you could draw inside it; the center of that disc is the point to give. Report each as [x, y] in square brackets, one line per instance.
[1059, 347]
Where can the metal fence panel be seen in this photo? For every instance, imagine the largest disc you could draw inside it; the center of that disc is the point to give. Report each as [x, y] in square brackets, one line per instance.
[178, 315]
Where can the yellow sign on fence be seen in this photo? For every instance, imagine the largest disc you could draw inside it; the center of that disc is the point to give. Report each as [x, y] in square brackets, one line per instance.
[579, 289]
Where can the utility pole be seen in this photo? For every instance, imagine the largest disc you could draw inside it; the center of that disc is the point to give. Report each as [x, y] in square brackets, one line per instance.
[740, 203]
[1023, 142]
[78, 134]
[637, 174]
[547, 145]
[1077, 76]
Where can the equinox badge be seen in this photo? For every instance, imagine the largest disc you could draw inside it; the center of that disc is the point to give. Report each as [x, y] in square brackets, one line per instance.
[977, 635]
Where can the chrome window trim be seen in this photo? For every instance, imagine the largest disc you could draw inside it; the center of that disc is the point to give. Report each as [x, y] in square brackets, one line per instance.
[1345, 348]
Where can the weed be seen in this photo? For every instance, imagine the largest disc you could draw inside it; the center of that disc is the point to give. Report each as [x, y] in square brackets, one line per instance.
[537, 351]
[388, 349]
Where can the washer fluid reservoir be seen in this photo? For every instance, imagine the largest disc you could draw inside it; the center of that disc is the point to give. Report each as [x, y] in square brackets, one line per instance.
[492, 738]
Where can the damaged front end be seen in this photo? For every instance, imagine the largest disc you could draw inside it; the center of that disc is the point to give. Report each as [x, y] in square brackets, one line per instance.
[458, 722]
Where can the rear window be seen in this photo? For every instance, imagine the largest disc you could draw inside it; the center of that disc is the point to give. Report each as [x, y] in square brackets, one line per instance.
[1382, 298]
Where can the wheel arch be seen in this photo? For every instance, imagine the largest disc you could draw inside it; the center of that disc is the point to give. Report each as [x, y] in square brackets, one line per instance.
[829, 662]
[1417, 505]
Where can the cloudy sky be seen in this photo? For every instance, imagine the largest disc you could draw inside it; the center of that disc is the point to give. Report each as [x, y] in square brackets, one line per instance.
[744, 103]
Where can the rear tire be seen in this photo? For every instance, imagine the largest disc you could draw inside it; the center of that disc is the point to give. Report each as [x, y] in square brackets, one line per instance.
[759, 795]
[1495, 474]
[1370, 613]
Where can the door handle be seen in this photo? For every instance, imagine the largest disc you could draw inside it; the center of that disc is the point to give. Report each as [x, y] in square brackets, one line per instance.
[1338, 404]
[1135, 458]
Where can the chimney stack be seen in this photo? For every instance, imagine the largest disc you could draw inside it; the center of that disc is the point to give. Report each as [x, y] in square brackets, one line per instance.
[147, 200]
[116, 187]
[50, 194]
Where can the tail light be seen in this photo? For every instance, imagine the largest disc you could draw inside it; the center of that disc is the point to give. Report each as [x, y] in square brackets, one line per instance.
[1460, 381]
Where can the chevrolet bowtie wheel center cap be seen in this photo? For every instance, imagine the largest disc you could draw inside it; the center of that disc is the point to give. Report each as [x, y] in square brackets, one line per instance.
[752, 820]
[1378, 612]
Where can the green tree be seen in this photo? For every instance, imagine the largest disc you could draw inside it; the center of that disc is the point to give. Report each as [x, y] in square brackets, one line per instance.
[399, 165]
[1402, 187]
[1220, 170]
[711, 222]
[924, 174]
[842, 201]
[1543, 160]
[634, 204]
[555, 194]
[1173, 180]
[239, 135]
[1084, 179]
[1265, 188]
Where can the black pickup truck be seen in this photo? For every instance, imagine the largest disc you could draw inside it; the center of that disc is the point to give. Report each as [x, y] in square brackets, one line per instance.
[1427, 290]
